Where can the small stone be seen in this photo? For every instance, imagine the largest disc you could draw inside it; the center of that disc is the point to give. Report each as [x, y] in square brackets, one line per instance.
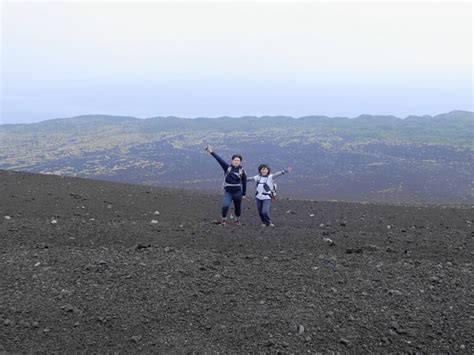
[395, 292]
[7, 322]
[397, 327]
[329, 241]
[344, 341]
[167, 249]
[154, 221]
[135, 338]
[389, 226]
[354, 251]
[53, 221]
[300, 329]
[435, 279]
[270, 342]
[156, 213]
[46, 330]
[35, 324]
[311, 215]
[372, 247]
[38, 263]
[8, 217]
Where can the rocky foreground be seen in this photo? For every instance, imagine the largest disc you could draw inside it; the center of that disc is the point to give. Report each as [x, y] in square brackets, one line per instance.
[99, 266]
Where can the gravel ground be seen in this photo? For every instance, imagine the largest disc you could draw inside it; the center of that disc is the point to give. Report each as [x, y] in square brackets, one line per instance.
[99, 266]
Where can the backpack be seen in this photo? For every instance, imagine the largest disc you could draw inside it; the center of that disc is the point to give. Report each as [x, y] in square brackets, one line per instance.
[272, 192]
[229, 169]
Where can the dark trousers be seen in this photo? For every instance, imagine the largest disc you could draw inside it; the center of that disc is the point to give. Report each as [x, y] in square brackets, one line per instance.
[263, 207]
[236, 197]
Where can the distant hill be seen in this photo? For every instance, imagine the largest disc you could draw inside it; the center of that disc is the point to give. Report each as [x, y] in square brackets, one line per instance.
[367, 158]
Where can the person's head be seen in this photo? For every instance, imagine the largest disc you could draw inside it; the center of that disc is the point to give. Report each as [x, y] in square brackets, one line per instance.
[264, 170]
[236, 160]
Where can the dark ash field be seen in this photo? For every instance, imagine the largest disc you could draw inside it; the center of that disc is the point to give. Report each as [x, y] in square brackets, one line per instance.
[100, 266]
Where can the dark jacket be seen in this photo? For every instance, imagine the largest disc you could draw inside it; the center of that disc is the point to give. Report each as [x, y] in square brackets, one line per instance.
[233, 177]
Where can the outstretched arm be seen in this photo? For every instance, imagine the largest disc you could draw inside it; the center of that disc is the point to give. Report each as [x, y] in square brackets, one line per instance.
[252, 178]
[281, 172]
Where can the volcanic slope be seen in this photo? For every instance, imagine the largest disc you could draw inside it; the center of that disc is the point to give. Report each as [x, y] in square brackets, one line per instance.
[100, 266]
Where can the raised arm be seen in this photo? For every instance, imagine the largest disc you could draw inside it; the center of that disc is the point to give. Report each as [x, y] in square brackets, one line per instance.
[221, 161]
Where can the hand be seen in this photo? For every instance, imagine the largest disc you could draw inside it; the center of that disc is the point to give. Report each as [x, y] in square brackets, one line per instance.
[244, 197]
[289, 169]
[208, 148]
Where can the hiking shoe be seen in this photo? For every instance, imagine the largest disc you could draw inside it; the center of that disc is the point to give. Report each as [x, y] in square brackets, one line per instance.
[224, 223]
[264, 225]
[271, 225]
[238, 223]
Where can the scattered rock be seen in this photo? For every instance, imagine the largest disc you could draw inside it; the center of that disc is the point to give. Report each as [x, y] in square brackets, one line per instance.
[142, 246]
[64, 293]
[8, 217]
[397, 328]
[300, 329]
[53, 221]
[135, 338]
[154, 221]
[344, 341]
[156, 213]
[395, 292]
[354, 251]
[435, 279]
[371, 247]
[329, 241]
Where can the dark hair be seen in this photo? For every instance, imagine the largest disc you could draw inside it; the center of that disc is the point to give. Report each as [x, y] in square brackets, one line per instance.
[237, 156]
[261, 166]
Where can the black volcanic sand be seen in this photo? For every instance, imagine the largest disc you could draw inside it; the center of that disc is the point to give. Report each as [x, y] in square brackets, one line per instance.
[391, 278]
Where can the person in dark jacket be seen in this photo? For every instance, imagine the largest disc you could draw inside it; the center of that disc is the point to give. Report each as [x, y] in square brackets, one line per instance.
[235, 184]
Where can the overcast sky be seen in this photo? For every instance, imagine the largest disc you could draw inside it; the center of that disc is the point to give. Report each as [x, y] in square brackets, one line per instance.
[212, 59]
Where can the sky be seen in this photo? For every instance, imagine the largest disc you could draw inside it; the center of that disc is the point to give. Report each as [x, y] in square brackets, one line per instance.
[209, 59]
